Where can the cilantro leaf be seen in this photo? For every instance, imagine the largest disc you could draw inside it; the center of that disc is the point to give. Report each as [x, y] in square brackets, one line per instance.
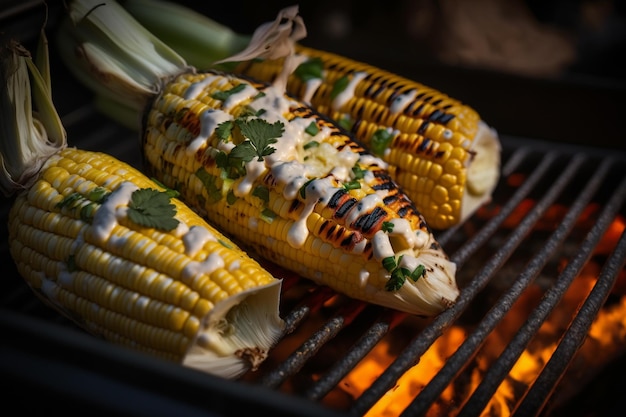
[261, 134]
[152, 208]
[223, 95]
[340, 85]
[387, 227]
[208, 181]
[381, 139]
[310, 69]
[222, 131]
[312, 129]
[419, 272]
[262, 192]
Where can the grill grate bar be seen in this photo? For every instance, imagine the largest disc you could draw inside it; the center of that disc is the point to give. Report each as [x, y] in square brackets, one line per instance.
[465, 252]
[310, 347]
[460, 359]
[347, 362]
[408, 357]
[511, 353]
[511, 164]
[575, 335]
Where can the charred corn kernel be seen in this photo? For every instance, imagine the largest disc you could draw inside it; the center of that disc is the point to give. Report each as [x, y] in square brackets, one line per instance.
[113, 251]
[329, 212]
[267, 168]
[422, 129]
[150, 289]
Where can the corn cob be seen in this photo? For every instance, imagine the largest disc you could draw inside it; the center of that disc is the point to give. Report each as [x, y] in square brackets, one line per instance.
[438, 149]
[115, 252]
[273, 173]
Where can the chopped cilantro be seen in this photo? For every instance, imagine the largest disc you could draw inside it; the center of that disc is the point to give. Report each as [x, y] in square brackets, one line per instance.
[268, 215]
[257, 136]
[381, 139]
[86, 212]
[69, 200]
[152, 208]
[262, 192]
[352, 185]
[358, 172]
[98, 195]
[345, 122]
[310, 69]
[170, 191]
[261, 134]
[208, 181]
[230, 197]
[312, 129]
[303, 188]
[340, 85]
[419, 272]
[225, 244]
[399, 274]
[311, 144]
[223, 95]
[387, 227]
[389, 263]
[222, 131]
[396, 281]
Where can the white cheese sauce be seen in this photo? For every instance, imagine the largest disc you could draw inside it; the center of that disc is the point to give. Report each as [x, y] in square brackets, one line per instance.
[289, 172]
[209, 120]
[344, 96]
[195, 239]
[105, 219]
[402, 101]
[310, 87]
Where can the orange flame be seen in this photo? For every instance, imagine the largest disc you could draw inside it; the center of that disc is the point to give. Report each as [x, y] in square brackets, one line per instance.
[607, 335]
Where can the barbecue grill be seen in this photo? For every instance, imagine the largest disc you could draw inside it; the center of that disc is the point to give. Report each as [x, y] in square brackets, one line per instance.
[541, 269]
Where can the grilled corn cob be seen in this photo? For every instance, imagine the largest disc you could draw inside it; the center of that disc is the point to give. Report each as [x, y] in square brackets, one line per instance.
[113, 251]
[274, 174]
[438, 149]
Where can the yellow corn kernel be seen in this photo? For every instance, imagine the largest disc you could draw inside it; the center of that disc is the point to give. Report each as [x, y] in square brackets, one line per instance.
[302, 207]
[153, 289]
[427, 125]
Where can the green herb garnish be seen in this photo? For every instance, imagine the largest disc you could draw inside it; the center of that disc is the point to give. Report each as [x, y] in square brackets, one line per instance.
[312, 129]
[340, 85]
[208, 181]
[268, 215]
[346, 123]
[358, 172]
[352, 185]
[170, 191]
[311, 144]
[310, 69]
[223, 130]
[387, 227]
[257, 135]
[70, 200]
[230, 197]
[400, 274]
[98, 195]
[262, 192]
[303, 188]
[223, 95]
[152, 208]
[381, 139]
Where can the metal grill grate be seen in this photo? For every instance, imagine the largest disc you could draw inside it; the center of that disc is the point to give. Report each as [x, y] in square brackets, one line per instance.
[514, 243]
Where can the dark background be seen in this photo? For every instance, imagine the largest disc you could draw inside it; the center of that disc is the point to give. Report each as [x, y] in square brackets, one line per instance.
[552, 70]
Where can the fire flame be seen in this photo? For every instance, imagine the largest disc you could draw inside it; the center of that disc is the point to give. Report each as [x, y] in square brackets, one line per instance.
[606, 336]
